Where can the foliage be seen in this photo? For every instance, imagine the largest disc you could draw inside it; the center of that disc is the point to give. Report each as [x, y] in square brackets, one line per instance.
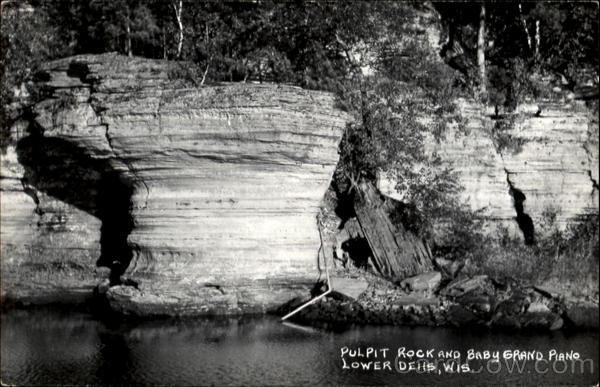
[527, 41]
[509, 83]
[28, 38]
[500, 133]
[319, 45]
[460, 235]
[411, 96]
[120, 23]
[316, 45]
[569, 256]
[569, 37]
[387, 138]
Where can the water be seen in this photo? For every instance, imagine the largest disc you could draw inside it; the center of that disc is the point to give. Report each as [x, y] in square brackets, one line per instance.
[45, 346]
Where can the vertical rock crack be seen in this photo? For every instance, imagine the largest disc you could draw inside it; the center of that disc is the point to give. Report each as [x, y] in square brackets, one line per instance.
[523, 219]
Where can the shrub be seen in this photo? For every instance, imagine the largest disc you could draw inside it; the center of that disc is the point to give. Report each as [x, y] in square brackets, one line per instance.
[570, 256]
[387, 137]
[504, 141]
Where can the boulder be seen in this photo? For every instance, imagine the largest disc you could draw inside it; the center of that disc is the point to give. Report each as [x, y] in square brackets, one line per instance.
[477, 284]
[582, 314]
[350, 287]
[450, 268]
[516, 304]
[460, 316]
[539, 315]
[423, 282]
[478, 302]
[557, 324]
[538, 307]
[349, 233]
[506, 321]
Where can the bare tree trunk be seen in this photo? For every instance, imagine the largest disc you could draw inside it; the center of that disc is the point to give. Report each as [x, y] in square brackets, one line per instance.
[346, 48]
[481, 51]
[205, 72]
[524, 22]
[128, 35]
[537, 40]
[178, 8]
[246, 71]
[164, 43]
[209, 59]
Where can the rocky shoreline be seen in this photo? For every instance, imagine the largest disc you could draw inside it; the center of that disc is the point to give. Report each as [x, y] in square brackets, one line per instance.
[428, 299]
[476, 301]
[190, 201]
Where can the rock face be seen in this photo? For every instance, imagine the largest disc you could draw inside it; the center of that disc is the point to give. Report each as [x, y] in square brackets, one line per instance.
[205, 197]
[537, 165]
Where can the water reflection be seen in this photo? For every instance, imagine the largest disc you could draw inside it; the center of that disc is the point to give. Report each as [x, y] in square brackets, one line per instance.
[54, 347]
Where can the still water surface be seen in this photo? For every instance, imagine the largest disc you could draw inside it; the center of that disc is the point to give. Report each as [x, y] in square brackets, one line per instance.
[46, 346]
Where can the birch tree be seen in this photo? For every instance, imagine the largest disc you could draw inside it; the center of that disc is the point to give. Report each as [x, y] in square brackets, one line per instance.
[178, 8]
[481, 51]
[525, 28]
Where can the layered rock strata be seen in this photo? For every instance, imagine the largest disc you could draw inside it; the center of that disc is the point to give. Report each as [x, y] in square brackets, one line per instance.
[205, 198]
[539, 163]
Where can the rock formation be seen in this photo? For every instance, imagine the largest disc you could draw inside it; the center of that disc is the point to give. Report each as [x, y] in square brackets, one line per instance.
[181, 199]
[396, 252]
[204, 198]
[526, 168]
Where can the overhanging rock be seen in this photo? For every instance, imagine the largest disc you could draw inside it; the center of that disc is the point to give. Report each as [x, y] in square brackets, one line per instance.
[227, 182]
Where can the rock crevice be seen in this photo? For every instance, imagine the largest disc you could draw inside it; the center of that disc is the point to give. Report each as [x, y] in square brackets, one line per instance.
[594, 182]
[523, 219]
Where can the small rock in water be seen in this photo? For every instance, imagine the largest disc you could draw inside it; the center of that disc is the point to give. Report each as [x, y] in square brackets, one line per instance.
[557, 324]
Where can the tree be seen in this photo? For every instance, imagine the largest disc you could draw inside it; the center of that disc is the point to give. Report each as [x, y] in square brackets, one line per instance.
[568, 39]
[28, 38]
[525, 28]
[564, 44]
[481, 51]
[123, 25]
[178, 8]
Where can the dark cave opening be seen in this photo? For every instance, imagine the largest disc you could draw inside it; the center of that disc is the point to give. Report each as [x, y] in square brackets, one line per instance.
[344, 207]
[358, 251]
[69, 173]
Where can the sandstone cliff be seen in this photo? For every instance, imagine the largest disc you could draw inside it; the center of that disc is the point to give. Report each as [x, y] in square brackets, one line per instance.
[204, 197]
[538, 165]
